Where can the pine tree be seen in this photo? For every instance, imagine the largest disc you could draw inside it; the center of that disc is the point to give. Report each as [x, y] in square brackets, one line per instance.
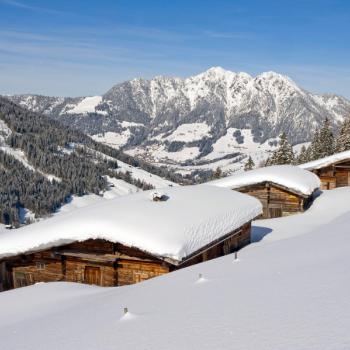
[343, 140]
[323, 143]
[218, 173]
[249, 165]
[283, 154]
[304, 155]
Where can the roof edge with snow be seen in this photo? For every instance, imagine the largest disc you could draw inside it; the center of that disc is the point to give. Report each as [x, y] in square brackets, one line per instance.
[327, 161]
[192, 219]
[288, 177]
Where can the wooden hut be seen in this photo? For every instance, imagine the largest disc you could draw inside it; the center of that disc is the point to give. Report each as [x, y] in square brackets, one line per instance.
[333, 171]
[130, 239]
[283, 189]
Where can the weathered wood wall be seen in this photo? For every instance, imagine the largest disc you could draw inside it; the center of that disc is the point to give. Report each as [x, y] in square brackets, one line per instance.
[234, 241]
[276, 201]
[130, 272]
[105, 263]
[336, 175]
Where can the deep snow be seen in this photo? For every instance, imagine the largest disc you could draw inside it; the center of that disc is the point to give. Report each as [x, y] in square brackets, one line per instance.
[287, 294]
[191, 217]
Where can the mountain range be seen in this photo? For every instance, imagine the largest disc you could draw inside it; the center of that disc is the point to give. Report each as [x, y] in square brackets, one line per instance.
[212, 119]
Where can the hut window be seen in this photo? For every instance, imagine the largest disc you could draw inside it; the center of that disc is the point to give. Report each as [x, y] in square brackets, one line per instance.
[40, 266]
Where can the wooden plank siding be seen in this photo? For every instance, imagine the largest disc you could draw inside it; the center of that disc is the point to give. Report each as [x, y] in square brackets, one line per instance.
[105, 263]
[277, 201]
[335, 175]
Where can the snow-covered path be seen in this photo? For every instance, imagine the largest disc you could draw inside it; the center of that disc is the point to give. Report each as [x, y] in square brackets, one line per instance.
[281, 294]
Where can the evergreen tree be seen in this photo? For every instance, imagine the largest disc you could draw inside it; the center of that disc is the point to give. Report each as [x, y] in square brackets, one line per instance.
[218, 173]
[283, 154]
[343, 140]
[304, 155]
[323, 143]
[249, 165]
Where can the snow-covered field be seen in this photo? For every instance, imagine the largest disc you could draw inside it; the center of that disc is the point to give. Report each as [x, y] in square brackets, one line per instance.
[224, 146]
[85, 106]
[289, 291]
[113, 139]
[143, 175]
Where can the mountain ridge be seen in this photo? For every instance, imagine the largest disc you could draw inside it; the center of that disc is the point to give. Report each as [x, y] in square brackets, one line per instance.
[146, 117]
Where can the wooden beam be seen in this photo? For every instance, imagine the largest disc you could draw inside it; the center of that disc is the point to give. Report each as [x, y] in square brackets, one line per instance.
[100, 257]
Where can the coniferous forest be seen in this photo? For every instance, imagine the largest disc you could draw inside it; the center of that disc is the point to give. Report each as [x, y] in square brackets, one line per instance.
[324, 143]
[63, 162]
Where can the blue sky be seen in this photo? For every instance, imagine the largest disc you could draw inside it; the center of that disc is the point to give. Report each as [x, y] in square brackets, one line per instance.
[74, 48]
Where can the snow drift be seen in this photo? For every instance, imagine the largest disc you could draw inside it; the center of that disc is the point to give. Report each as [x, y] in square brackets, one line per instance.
[287, 294]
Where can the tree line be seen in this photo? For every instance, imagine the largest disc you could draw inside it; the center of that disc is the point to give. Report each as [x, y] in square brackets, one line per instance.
[55, 150]
[324, 143]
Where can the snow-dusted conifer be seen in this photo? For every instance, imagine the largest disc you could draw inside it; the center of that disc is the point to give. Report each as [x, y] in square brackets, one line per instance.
[343, 140]
[304, 155]
[249, 165]
[323, 142]
[218, 173]
[283, 154]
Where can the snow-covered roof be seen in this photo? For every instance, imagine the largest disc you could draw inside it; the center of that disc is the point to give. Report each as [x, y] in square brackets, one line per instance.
[289, 176]
[323, 162]
[191, 218]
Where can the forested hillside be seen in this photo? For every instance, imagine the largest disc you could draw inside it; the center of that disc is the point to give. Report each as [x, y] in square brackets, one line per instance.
[53, 162]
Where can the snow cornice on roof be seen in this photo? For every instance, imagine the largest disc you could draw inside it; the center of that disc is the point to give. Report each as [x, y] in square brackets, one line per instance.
[288, 177]
[327, 161]
[192, 218]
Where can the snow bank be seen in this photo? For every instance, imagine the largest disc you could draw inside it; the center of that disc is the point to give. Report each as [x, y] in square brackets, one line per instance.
[289, 176]
[323, 162]
[191, 217]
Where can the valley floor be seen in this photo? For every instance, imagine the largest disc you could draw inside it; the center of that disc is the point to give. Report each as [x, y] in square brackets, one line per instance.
[289, 290]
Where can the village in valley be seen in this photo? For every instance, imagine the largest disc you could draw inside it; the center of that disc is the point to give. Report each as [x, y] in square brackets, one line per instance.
[151, 199]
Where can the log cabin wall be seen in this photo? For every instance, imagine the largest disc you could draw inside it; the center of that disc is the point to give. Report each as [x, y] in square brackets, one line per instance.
[96, 262]
[38, 267]
[276, 201]
[130, 272]
[5, 276]
[90, 272]
[234, 241]
[104, 263]
[335, 175]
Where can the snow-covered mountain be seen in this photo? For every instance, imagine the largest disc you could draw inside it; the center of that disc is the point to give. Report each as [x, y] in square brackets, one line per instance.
[216, 117]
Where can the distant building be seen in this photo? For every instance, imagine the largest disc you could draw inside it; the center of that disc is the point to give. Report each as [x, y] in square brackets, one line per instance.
[282, 189]
[333, 171]
[129, 239]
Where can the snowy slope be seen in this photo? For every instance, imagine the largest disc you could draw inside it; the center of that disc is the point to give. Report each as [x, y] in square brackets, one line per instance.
[288, 294]
[85, 106]
[322, 212]
[117, 188]
[143, 175]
